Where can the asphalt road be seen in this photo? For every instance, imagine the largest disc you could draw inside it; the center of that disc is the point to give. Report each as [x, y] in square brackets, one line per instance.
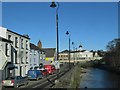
[43, 83]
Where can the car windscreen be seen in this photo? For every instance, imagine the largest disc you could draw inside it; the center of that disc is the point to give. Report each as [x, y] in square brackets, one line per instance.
[9, 78]
[31, 73]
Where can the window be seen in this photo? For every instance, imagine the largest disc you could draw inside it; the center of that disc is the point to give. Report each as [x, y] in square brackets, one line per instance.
[16, 42]
[21, 53]
[22, 44]
[15, 57]
[22, 57]
[7, 50]
[27, 54]
[26, 44]
[26, 60]
[22, 60]
[9, 37]
[27, 57]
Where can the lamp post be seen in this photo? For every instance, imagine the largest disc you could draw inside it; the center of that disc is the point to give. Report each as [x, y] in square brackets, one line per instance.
[53, 5]
[76, 54]
[68, 33]
[73, 52]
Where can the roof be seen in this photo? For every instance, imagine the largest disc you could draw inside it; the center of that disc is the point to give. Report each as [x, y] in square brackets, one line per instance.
[65, 51]
[5, 40]
[25, 36]
[49, 52]
[32, 46]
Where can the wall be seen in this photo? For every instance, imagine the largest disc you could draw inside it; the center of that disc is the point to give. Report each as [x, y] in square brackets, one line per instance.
[34, 58]
[3, 32]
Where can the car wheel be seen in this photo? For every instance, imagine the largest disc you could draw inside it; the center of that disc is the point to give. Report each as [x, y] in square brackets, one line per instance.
[3, 87]
[37, 79]
[26, 83]
[16, 86]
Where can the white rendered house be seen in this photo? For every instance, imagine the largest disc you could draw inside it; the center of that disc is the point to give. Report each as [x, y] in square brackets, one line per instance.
[21, 50]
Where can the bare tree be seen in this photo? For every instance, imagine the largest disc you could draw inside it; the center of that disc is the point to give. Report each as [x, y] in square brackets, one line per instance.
[112, 56]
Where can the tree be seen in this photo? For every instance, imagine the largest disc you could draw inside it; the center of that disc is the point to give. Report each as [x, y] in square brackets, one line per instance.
[100, 53]
[112, 55]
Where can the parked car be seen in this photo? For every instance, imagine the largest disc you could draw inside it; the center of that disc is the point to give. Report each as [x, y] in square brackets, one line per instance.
[50, 68]
[34, 74]
[44, 72]
[15, 81]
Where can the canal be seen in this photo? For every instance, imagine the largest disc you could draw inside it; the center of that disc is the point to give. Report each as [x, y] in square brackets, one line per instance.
[98, 78]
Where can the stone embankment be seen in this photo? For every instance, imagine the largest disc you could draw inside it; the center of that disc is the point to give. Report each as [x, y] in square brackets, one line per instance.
[71, 79]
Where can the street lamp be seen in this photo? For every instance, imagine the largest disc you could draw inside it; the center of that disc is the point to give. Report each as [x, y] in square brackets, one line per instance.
[68, 33]
[73, 52]
[53, 5]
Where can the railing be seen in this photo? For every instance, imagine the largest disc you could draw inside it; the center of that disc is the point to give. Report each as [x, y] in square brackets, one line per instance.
[3, 60]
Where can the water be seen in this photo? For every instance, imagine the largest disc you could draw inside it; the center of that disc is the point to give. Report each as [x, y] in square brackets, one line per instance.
[97, 78]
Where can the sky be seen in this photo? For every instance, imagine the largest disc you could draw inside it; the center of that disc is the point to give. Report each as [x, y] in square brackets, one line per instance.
[91, 24]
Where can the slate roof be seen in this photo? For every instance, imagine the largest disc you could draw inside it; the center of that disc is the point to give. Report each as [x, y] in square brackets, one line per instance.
[25, 36]
[78, 51]
[49, 52]
[32, 46]
[65, 51]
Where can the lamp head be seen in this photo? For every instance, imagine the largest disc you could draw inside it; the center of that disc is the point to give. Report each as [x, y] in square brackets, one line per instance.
[72, 43]
[67, 33]
[53, 5]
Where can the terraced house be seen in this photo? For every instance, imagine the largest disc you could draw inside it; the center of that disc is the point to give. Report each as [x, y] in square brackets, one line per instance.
[17, 53]
[5, 57]
[37, 56]
[50, 54]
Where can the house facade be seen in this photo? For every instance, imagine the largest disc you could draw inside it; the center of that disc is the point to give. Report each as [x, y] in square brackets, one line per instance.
[21, 51]
[64, 55]
[5, 58]
[50, 55]
[76, 55]
[81, 55]
[37, 56]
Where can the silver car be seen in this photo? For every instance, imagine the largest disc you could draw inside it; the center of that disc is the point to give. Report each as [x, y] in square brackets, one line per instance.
[15, 81]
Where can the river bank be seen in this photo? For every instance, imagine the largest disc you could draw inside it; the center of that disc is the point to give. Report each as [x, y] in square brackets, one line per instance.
[71, 79]
[85, 75]
[107, 67]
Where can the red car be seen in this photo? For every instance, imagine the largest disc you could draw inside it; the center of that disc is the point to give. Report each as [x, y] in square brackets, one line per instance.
[50, 68]
[44, 72]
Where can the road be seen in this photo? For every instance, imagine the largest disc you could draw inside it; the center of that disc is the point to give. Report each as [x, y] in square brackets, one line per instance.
[45, 82]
